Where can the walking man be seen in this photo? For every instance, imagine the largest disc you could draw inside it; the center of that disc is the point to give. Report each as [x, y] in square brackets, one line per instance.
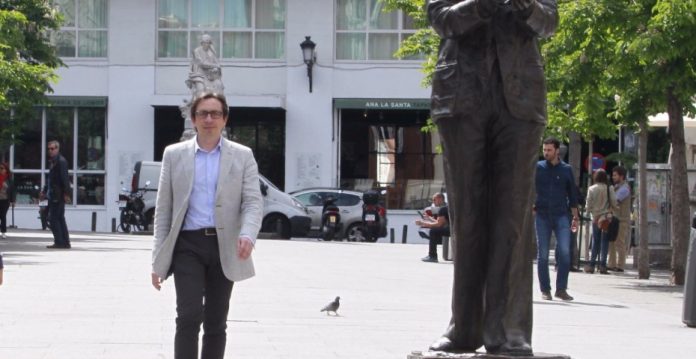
[618, 248]
[208, 214]
[57, 191]
[489, 104]
[556, 199]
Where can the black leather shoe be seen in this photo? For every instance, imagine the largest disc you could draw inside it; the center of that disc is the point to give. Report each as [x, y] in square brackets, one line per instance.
[546, 295]
[563, 295]
[429, 259]
[56, 246]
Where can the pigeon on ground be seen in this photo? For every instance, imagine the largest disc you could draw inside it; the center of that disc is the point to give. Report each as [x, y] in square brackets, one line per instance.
[332, 307]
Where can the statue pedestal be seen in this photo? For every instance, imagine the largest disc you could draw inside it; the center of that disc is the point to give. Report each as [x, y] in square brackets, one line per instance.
[479, 355]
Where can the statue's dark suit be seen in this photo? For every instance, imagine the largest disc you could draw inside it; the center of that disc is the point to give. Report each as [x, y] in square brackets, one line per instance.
[489, 103]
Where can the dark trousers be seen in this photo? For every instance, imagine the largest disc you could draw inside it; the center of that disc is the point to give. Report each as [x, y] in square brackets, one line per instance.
[202, 296]
[56, 216]
[490, 159]
[436, 235]
[4, 206]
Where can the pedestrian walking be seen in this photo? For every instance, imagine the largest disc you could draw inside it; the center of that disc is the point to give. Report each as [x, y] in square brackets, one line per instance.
[618, 248]
[7, 196]
[208, 214]
[556, 200]
[601, 202]
[57, 191]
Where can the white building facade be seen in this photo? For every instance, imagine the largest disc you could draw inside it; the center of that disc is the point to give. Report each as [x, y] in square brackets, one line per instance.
[117, 101]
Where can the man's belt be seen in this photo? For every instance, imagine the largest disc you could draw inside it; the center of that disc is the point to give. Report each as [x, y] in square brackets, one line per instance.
[206, 232]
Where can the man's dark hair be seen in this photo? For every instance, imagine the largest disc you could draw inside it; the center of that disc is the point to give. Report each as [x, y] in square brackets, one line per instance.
[553, 141]
[600, 176]
[206, 95]
[620, 170]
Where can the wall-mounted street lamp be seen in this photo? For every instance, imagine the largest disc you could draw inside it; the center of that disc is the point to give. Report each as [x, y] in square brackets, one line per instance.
[309, 57]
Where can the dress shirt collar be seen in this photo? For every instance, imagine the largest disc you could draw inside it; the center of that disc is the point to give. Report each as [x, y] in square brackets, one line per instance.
[199, 148]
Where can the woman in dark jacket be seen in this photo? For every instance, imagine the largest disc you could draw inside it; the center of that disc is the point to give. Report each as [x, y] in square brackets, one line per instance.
[7, 196]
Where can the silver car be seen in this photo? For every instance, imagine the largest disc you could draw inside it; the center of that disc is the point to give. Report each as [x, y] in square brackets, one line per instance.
[349, 203]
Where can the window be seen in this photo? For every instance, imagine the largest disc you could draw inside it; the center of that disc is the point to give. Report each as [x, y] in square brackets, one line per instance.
[81, 134]
[240, 29]
[365, 32]
[387, 149]
[84, 30]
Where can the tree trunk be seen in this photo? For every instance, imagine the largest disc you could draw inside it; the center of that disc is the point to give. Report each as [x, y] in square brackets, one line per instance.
[643, 251]
[575, 155]
[679, 197]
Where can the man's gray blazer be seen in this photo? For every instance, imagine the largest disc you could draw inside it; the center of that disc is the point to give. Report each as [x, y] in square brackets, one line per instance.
[238, 205]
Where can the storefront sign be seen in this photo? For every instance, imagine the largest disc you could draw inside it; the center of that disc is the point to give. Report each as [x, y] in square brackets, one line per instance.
[77, 101]
[382, 103]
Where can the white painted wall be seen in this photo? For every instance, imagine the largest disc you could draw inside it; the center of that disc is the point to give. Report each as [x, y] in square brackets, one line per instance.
[134, 82]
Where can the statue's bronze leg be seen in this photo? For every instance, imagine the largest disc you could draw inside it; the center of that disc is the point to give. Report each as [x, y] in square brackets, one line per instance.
[489, 163]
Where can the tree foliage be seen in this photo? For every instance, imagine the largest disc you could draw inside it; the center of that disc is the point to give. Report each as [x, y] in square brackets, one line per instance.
[27, 60]
[612, 63]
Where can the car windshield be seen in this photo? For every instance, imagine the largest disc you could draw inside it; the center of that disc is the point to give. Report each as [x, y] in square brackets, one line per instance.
[268, 182]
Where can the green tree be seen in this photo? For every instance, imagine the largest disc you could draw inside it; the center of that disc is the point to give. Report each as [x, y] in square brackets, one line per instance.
[611, 64]
[614, 63]
[27, 61]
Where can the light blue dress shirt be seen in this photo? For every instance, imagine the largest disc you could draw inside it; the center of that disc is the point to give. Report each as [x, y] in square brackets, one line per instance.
[201, 210]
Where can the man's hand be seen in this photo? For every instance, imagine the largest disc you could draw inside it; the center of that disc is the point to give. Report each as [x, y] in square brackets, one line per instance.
[244, 247]
[156, 281]
[66, 198]
[520, 5]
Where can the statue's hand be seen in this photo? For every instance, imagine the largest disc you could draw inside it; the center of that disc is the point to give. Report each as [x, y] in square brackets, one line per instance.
[520, 5]
[487, 8]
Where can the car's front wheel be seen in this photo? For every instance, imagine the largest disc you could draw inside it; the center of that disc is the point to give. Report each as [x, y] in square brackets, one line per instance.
[277, 224]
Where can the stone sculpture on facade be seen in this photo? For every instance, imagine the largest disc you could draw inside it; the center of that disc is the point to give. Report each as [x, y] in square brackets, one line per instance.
[205, 75]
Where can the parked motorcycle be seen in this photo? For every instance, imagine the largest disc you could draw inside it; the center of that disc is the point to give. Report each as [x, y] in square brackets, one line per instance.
[374, 217]
[131, 205]
[330, 219]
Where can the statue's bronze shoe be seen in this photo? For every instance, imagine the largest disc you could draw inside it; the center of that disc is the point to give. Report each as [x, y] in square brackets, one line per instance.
[445, 344]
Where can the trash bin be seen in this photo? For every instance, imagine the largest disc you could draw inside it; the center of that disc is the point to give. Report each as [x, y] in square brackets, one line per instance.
[689, 315]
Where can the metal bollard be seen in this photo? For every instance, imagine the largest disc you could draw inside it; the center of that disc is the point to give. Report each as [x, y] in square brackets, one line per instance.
[404, 234]
[94, 221]
[391, 235]
[113, 225]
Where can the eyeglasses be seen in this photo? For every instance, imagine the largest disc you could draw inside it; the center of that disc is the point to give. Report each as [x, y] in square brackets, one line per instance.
[215, 115]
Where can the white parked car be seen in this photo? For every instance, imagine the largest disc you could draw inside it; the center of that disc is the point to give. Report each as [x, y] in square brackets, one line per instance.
[283, 216]
[350, 205]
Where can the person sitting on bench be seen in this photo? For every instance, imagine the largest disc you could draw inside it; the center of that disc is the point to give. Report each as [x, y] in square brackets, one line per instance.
[438, 225]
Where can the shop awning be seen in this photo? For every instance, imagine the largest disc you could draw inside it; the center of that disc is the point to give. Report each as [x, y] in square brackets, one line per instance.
[78, 101]
[382, 103]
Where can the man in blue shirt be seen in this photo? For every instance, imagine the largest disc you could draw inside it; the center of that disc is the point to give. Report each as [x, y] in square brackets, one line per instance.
[556, 198]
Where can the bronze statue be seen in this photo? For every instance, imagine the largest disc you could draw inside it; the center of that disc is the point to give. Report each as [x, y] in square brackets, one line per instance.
[489, 103]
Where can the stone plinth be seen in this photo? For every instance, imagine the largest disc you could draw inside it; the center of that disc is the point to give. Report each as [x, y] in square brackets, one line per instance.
[477, 355]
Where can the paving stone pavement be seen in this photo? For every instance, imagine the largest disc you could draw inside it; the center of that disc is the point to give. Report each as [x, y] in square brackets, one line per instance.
[96, 301]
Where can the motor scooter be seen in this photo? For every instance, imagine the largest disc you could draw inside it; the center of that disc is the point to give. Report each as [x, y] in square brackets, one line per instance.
[374, 217]
[330, 219]
[131, 206]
